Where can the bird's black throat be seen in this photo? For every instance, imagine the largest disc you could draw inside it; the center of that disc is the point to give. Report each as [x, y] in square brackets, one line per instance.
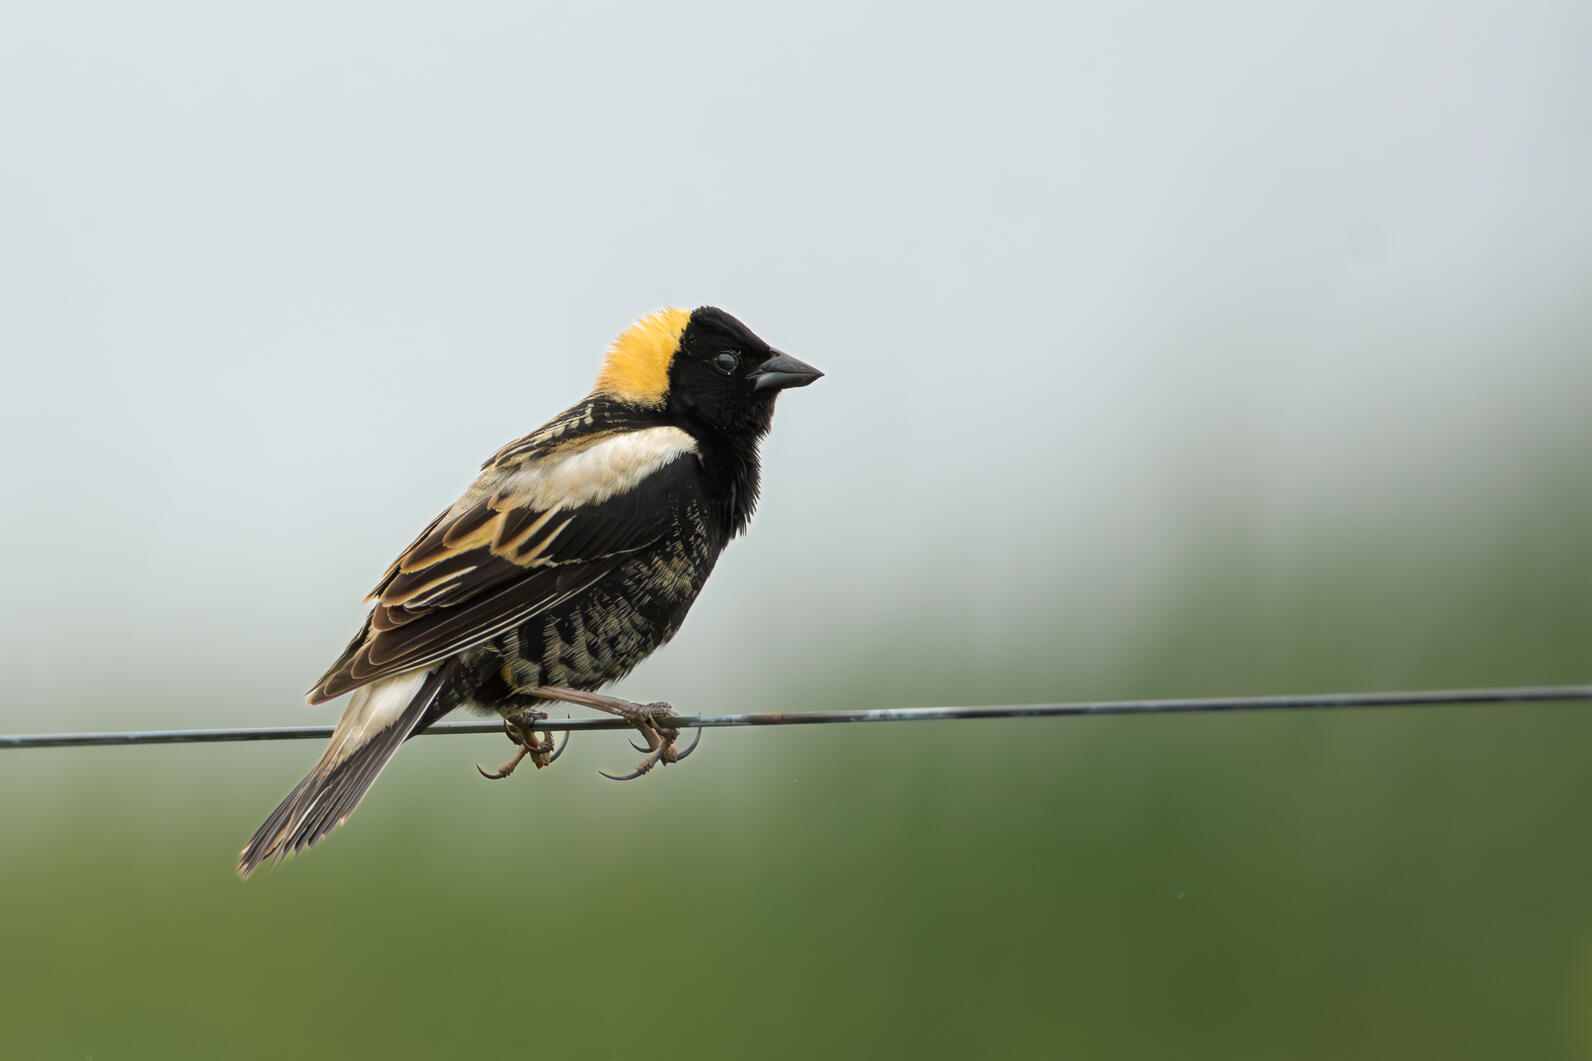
[734, 473]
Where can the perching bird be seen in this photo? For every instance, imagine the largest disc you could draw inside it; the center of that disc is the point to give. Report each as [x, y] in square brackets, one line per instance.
[575, 553]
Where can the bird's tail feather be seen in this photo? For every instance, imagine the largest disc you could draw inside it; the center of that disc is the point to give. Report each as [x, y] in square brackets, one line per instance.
[378, 719]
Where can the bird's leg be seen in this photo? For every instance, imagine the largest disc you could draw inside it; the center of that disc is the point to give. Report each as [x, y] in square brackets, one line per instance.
[518, 728]
[649, 719]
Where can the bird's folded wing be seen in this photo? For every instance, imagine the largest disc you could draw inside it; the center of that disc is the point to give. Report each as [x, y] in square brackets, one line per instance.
[524, 538]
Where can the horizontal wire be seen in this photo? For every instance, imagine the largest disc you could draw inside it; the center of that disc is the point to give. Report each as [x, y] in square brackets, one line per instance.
[1196, 705]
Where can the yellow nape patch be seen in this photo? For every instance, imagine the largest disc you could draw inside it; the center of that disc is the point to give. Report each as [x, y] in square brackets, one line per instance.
[637, 367]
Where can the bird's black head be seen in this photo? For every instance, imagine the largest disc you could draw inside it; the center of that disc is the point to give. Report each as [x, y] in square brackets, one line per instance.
[705, 372]
[704, 369]
[727, 378]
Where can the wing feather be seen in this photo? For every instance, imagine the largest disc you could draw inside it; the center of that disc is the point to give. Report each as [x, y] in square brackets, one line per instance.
[529, 534]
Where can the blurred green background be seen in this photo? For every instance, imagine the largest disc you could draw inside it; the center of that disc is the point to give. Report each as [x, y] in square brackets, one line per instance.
[1171, 352]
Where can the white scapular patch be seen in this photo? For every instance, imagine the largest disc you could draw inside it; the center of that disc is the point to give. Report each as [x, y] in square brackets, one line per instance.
[597, 472]
[586, 477]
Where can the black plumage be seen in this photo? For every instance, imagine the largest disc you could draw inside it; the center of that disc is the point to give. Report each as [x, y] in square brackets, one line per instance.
[575, 553]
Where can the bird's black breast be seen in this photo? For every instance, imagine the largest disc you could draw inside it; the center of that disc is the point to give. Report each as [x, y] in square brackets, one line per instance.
[602, 633]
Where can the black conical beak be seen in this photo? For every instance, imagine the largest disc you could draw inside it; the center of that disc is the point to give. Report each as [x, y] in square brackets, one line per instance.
[781, 371]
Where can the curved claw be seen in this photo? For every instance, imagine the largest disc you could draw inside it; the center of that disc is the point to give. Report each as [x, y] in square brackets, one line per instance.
[624, 777]
[697, 739]
[551, 759]
[489, 777]
[640, 748]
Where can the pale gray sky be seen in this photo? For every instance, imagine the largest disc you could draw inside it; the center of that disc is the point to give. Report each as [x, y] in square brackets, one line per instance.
[276, 277]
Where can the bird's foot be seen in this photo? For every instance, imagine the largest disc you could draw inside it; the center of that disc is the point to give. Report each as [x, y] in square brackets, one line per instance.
[662, 739]
[528, 744]
[651, 720]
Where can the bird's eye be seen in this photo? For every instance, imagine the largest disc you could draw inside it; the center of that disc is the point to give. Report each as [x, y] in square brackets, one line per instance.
[727, 362]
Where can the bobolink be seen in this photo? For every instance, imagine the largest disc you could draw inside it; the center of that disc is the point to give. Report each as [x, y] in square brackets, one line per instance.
[575, 553]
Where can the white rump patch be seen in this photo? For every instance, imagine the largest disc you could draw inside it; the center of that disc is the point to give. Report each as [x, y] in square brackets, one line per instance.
[370, 710]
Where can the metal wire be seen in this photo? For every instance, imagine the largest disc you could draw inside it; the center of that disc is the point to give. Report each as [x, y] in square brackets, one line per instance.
[1189, 706]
